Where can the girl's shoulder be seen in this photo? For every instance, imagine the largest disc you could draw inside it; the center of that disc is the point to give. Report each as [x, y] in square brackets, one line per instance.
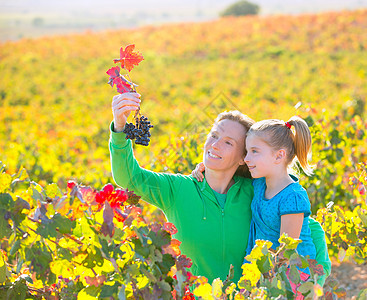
[259, 183]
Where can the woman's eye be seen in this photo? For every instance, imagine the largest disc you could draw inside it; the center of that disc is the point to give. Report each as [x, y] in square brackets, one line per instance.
[214, 136]
[229, 143]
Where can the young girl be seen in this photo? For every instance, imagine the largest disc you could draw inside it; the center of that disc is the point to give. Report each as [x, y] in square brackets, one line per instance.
[280, 204]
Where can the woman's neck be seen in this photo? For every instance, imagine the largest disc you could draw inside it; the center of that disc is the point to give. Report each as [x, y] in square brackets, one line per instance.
[219, 181]
[277, 182]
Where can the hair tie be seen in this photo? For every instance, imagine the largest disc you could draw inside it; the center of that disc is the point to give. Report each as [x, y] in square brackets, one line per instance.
[288, 125]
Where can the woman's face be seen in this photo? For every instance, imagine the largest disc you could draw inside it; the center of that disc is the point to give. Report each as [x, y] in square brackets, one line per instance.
[225, 146]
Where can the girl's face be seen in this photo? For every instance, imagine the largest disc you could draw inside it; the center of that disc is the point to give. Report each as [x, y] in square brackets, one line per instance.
[224, 146]
[260, 157]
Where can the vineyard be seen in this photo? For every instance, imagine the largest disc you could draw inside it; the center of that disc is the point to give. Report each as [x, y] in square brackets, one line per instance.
[67, 232]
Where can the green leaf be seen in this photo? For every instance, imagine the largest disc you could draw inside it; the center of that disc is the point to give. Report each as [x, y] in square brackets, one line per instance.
[63, 224]
[264, 264]
[64, 253]
[90, 292]
[285, 279]
[6, 201]
[362, 295]
[305, 287]
[48, 228]
[3, 269]
[109, 290]
[15, 247]
[161, 238]
[167, 262]
[140, 249]
[294, 275]
[19, 265]
[93, 258]
[5, 228]
[121, 295]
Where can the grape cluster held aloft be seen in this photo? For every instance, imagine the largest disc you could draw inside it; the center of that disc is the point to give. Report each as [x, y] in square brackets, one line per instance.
[139, 131]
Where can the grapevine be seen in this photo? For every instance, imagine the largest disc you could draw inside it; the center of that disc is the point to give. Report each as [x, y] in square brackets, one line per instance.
[128, 59]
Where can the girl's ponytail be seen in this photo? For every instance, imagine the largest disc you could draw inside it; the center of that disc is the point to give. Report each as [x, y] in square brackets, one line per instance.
[302, 142]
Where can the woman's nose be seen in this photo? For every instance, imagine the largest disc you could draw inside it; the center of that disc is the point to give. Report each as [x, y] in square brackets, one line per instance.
[216, 144]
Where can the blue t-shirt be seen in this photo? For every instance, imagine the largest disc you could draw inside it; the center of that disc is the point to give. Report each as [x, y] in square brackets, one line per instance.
[266, 215]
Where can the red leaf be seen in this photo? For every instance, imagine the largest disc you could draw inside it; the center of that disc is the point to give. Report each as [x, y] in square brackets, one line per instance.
[122, 87]
[133, 213]
[88, 195]
[108, 188]
[114, 72]
[170, 228]
[119, 215]
[172, 248]
[318, 269]
[183, 262]
[156, 227]
[71, 184]
[132, 198]
[115, 198]
[96, 281]
[128, 58]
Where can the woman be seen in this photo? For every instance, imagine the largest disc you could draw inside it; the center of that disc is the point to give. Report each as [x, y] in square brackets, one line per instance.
[213, 216]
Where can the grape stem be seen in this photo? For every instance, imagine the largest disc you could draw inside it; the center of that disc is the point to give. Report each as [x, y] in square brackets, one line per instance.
[133, 89]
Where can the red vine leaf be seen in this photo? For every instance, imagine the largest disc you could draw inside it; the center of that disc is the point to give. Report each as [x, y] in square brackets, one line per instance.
[170, 228]
[128, 58]
[96, 281]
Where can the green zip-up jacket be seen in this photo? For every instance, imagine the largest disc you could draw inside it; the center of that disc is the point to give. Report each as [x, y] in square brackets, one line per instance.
[214, 238]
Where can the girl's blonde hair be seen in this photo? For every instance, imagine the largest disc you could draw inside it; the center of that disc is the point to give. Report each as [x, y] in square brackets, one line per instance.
[246, 122]
[280, 135]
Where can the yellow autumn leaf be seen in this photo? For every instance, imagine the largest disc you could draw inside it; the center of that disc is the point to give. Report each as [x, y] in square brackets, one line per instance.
[217, 287]
[239, 297]
[318, 290]
[204, 291]
[62, 267]
[230, 289]
[5, 182]
[251, 272]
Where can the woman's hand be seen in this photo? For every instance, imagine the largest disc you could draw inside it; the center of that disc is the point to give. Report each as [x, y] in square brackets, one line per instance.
[198, 172]
[122, 105]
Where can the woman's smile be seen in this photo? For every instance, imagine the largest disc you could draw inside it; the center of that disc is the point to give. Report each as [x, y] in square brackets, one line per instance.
[213, 156]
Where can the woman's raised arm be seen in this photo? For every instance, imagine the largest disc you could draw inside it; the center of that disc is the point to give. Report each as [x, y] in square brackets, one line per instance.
[156, 188]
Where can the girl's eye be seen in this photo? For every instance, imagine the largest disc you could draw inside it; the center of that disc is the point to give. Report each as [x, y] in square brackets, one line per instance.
[214, 135]
[229, 143]
[254, 151]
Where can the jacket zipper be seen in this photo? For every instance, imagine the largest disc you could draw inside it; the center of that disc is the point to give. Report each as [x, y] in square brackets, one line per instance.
[223, 235]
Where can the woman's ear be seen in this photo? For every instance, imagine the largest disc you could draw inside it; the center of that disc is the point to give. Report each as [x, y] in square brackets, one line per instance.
[280, 156]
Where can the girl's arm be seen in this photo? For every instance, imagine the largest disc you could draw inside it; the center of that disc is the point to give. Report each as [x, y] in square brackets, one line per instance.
[198, 172]
[292, 225]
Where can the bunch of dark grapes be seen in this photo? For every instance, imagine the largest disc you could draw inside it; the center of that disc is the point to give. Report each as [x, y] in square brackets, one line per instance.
[139, 131]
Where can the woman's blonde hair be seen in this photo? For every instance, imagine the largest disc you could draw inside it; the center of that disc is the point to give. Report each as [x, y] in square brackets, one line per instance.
[246, 122]
[280, 135]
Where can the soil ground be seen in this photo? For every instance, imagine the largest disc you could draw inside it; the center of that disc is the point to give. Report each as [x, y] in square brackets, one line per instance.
[352, 277]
